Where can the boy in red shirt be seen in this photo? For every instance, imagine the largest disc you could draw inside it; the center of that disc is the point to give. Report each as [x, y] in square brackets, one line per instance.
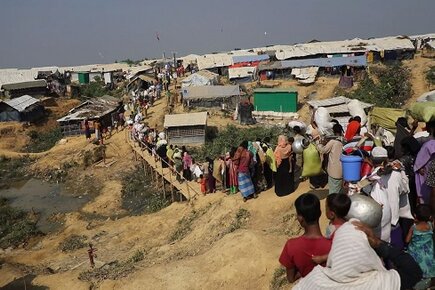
[297, 255]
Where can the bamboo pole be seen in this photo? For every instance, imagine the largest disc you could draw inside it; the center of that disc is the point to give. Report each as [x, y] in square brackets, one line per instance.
[155, 170]
[172, 187]
[188, 189]
[163, 180]
[144, 167]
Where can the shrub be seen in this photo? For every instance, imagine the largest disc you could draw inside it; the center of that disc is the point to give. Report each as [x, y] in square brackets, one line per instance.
[12, 168]
[15, 226]
[222, 141]
[430, 75]
[279, 279]
[43, 141]
[138, 195]
[113, 270]
[389, 87]
[184, 225]
[241, 218]
[72, 243]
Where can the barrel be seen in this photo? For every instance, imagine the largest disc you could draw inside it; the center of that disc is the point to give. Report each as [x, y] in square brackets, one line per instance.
[351, 167]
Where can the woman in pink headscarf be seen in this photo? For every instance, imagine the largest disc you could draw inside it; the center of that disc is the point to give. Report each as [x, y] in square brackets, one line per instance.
[187, 162]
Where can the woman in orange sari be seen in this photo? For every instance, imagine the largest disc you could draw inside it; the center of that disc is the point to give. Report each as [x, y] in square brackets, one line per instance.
[284, 176]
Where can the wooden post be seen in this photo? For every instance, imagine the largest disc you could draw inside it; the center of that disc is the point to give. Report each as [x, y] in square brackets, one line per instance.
[188, 189]
[172, 186]
[144, 167]
[163, 179]
[155, 169]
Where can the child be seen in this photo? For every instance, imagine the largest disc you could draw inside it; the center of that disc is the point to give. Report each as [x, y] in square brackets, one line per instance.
[203, 183]
[337, 207]
[420, 240]
[297, 254]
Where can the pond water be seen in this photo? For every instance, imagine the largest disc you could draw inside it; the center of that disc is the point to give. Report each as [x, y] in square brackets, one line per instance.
[44, 198]
[23, 283]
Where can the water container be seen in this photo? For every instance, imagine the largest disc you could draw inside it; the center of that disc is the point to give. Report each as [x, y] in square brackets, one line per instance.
[351, 167]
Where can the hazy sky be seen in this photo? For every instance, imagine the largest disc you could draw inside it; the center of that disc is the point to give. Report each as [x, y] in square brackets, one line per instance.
[73, 32]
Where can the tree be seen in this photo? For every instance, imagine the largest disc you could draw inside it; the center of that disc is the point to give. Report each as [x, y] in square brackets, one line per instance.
[430, 75]
[391, 88]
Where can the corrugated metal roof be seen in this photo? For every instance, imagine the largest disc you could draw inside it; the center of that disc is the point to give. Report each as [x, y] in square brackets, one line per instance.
[210, 92]
[329, 102]
[91, 109]
[133, 71]
[336, 105]
[22, 103]
[181, 120]
[23, 85]
[275, 90]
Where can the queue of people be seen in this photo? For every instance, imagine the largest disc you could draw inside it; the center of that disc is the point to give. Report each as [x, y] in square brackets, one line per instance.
[399, 175]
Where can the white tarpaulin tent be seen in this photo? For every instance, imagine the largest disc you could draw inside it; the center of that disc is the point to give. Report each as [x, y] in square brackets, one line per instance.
[305, 75]
[242, 72]
[188, 59]
[427, 97]
[219, 59]
[201, 78]
[344, 46]
[206, 92]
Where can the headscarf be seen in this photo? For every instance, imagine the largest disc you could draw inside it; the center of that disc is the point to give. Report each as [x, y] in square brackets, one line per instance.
[402, 131]
[352, 265]
[352, 130]
[187, 160]
[282, 150]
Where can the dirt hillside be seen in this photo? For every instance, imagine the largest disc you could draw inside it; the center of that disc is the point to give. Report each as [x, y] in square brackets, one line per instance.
[213, 242]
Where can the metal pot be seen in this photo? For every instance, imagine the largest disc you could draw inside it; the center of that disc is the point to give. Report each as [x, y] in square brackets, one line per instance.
[366, 209]
[299, 145]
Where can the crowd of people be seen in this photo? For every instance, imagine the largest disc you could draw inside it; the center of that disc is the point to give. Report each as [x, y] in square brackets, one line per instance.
[397, 171]
[399, 174]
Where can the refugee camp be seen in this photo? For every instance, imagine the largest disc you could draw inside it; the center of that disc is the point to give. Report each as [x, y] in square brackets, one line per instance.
[217, 145]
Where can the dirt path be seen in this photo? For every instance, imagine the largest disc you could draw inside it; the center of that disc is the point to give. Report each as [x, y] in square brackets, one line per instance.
[418, 67]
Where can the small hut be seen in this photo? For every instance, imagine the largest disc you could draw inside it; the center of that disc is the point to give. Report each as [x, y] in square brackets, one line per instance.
[186, 129]
[21, 109]
[102, 109]
[429, 49]
[224, 97]
[18, 89]
[276, 100]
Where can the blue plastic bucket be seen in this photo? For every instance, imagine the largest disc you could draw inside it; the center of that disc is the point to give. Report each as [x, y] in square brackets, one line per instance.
[351, 167]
